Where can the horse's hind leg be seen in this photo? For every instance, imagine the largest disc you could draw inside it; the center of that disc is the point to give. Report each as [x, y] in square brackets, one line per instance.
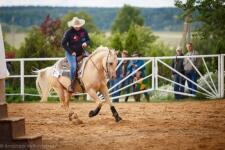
[93, 95]
[105, 93]
[67, 97]
[60, 92]
[45, 94]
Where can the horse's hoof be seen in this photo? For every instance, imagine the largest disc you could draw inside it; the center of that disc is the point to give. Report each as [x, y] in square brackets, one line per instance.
[71, 116]
[118, 119]
[91, 113]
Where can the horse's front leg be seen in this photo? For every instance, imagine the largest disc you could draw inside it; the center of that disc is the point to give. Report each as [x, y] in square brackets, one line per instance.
[105, 93]
[94, 96]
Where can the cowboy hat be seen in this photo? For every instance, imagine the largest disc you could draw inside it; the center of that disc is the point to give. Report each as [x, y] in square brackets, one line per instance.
[125, 52]
[76, 22]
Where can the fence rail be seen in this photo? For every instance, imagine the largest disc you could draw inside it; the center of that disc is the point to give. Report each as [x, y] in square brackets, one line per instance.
[155, 63]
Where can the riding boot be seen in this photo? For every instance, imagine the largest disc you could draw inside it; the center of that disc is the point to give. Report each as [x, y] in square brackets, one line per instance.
[72, 86]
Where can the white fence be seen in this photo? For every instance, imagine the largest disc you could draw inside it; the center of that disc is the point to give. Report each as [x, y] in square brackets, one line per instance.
[154, 76]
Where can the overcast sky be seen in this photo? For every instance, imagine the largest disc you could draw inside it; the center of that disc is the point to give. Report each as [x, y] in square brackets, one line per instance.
[89, 3]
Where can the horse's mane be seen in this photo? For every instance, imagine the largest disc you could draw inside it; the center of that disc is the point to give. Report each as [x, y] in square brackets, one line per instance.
[101, 48]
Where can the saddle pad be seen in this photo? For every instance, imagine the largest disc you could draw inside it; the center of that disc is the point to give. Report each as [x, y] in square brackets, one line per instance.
[62, 68]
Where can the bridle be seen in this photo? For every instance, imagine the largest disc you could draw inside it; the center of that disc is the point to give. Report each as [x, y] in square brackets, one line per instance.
[106, 70]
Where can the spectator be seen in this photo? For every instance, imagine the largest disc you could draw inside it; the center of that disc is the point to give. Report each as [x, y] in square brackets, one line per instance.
[125, 72]
[138, 63]
[139, 74]
[190, 72]
[139, 86]
[178, 65]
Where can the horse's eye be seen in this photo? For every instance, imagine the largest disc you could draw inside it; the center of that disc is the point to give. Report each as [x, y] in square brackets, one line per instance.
[110, 63]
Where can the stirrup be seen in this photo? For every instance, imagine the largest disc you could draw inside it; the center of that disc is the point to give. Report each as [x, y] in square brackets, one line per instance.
[70, 89]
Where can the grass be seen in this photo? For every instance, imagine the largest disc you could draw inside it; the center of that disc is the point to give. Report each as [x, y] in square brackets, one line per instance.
[15, 39]
[169, 38]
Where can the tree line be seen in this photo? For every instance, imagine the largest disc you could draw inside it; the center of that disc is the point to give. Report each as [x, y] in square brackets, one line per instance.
[163, 19]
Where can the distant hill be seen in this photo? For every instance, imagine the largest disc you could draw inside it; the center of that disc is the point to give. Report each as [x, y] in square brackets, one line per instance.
[159, 19]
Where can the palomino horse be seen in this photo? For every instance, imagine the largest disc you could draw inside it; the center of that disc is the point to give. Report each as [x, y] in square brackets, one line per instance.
[100, 66]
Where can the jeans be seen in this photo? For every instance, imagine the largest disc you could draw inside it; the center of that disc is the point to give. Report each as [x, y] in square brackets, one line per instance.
[72, 60]
[192, 75]
[178, 88]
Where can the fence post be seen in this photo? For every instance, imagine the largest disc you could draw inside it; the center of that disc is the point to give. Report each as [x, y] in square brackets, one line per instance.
[156, 72]
[22, 79]
[221, 76]
[153, 74]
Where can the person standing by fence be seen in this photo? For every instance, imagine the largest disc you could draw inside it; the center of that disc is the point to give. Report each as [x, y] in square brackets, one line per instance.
[190, 71]
[178, 65]
[125, 72]
[138, 75]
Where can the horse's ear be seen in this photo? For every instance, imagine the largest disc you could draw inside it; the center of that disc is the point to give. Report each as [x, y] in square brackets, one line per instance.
[114, 52]
[111, 51]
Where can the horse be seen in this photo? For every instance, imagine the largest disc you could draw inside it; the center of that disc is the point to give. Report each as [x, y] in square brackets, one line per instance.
[100, 66]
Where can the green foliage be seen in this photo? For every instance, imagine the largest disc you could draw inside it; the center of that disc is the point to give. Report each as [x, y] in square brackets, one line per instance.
[13, 98]
[116, 41]
[211, 14]
[131, 41]
[35, 45]
[125, 17]
[98, 39]
[145, 39]
[159, 49]
[139, 39]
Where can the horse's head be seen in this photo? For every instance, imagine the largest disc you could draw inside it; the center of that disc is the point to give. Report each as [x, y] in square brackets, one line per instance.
[111, 64]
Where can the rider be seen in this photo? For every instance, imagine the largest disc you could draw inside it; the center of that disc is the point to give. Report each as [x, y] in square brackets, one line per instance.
[75, 40]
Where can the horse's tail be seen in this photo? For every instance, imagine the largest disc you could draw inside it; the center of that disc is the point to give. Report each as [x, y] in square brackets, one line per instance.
[41, 81]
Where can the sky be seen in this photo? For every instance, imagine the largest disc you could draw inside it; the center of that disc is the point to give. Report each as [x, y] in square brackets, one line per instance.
[89, 3]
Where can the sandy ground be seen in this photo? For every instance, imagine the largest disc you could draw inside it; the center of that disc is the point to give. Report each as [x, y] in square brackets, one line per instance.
[177, 125]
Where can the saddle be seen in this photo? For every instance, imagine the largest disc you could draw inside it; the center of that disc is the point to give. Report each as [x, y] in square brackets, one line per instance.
[62, 68]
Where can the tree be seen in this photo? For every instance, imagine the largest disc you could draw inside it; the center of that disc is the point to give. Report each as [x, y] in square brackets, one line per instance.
[35, 45]
[211, 14]
[116, 41]
[145, 38]
[131, 41]
[125, 17]
[98, 39]
[139, 39]
[51, 30]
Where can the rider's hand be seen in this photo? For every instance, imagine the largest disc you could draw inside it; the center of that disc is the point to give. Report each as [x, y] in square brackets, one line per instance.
[74, 54]
[84, 45]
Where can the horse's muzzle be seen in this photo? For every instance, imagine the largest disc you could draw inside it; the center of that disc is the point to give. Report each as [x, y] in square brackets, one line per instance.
[113, 77]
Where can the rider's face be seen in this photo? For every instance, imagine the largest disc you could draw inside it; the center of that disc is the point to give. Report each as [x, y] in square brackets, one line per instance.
[77, 28]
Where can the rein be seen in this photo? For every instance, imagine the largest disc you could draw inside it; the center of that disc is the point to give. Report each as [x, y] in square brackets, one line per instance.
[107, 68]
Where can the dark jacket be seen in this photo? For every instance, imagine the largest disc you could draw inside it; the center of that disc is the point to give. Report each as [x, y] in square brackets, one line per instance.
[178, 65]
[73, 40]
